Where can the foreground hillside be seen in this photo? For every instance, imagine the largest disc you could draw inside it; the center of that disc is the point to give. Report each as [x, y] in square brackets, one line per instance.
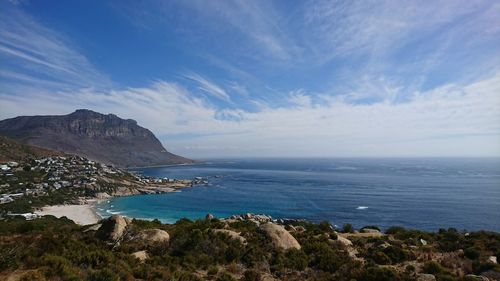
[245, 248]
[104, 138]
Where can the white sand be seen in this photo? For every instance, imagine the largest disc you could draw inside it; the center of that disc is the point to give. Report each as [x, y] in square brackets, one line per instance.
[80, 214]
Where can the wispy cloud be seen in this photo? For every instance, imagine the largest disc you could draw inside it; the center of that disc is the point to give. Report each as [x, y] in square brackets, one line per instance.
[32, 51]
[208, 86]
[427, 124]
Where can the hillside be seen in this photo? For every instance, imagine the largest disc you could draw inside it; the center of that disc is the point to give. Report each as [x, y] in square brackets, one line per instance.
[105, 138]
[11, 150]
[240, 248]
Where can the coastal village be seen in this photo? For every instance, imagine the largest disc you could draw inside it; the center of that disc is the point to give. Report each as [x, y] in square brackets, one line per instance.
[78, 179]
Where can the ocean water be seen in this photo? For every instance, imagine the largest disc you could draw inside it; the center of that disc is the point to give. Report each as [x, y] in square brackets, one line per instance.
[417, 193]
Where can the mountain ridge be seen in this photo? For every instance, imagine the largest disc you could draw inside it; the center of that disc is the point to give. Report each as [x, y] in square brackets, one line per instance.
[102, 137]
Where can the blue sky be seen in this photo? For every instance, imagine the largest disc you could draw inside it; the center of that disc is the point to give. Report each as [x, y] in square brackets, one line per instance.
[265, 78]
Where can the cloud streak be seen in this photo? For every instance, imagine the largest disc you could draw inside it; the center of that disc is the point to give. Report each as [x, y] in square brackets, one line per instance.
[465, 116]
[32, 51]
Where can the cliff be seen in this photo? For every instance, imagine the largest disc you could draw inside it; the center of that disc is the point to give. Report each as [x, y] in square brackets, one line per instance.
[100, 137]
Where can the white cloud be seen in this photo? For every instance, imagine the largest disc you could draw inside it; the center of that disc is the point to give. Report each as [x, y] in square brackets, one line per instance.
[452, 120]
[209, 86]
[30, 50]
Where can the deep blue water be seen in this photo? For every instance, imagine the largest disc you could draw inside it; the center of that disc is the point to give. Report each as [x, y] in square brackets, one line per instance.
[417, 193]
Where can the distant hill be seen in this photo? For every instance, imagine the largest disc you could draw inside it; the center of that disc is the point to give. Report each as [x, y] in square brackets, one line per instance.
[105, 138]
[11, 150]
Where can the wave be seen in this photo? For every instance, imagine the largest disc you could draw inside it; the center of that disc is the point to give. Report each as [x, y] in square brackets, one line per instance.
[361, 208]
[113, 212]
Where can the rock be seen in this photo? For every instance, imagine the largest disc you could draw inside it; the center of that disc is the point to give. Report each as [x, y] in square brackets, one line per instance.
[280, 237]
[492, 259]
[233, 234]
[112, 228]
[476, 277]
[491, 274]
[300, 228]
[426, 277]
[92, 228]
[153, 236]
[209, 216]
[102, 195]
[140, 255]
[248, 216]
[128, 220]
[369, 230]
[344, 241]
[291, 228]
[423, 242]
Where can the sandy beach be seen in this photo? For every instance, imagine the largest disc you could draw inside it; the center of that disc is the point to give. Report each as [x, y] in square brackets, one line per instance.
[80, 214]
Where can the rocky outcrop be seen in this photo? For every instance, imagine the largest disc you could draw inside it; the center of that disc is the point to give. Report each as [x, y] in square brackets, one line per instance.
[473, 277]
[112, 229]
[153, 236]
[280, 237]
[491, 274]
[426, 277]
[370, 230]
[140, 255]
[233, 234]
[104, 138]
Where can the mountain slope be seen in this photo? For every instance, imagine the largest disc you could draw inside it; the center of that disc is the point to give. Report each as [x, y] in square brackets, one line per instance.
[11, 150]
[105, 138]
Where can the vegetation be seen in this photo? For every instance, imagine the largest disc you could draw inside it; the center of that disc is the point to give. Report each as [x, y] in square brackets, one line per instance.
[57, 249]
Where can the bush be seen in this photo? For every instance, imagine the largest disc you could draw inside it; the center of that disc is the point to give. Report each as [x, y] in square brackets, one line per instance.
[103, 275]
[432, 267]
[379, 274]
[225, 277]
[251, 275]
[347, 228]
[296, 259]
[471, 253]
[381, 258]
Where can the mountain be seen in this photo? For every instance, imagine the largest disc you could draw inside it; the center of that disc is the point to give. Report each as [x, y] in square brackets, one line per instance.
[11, 150]
[100, 137]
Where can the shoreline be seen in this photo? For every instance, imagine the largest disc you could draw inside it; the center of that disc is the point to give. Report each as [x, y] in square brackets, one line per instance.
[84, 214]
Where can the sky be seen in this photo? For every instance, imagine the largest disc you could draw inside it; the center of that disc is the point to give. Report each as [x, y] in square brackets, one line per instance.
[216, 79]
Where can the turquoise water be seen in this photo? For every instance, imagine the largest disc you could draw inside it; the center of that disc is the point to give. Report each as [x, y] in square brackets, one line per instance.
[418, 193]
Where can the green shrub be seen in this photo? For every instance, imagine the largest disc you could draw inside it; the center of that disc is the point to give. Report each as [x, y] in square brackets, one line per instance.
[224, 276]
[379, 274]
[471, 253]
[347, 228]
[296, 259]
[381, 258]
[103, 275]
[251, 275]
[432, 267]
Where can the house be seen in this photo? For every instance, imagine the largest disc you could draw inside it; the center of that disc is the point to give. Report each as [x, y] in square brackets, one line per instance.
[5, 199]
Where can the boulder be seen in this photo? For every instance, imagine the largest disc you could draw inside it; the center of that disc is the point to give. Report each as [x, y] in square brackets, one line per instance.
[153, 236]
[209, 216]
[476, 277]
[140, 255]
[491, 274]
[344, 241]
[492, 259]
[94, 227]
[300, 228]
[426, 277]
[233, 234]
[369, 230]
[112, 228]
[280, 237]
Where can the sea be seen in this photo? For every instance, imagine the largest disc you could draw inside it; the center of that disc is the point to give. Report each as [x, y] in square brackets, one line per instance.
[420, 193]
